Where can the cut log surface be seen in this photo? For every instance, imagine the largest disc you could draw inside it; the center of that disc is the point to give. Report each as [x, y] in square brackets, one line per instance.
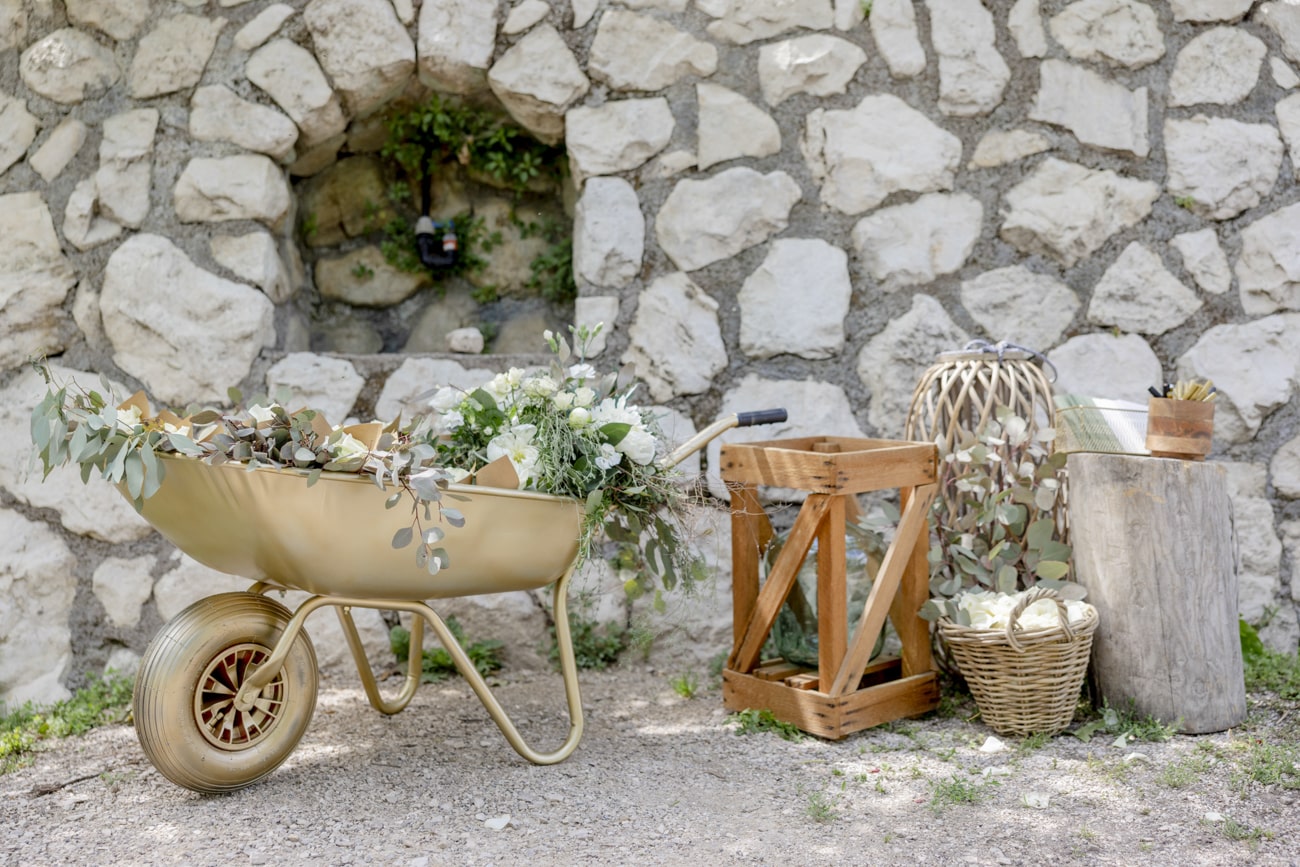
[1153, 544]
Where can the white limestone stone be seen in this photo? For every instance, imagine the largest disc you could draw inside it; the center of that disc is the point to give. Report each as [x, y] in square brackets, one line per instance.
[68, 66]
[1097, 110]
[914, 243]
[892, 362]
[263, 26]
[1025, 21]
[126, 166]
[525, 15]
[1119, 32]
[638, 52]
[364, 49]
[746, 21]
[1253, 364]
[999, 147]
[1220, 167]
[858, 168]
[583, 10]
[217, 114]
[592, 310]
[188, 582]
[814, 409]
[13, 24]
[17, 130]
[1137, 294]
[83, 225]
[677, 427]
[365, 278]
[1283, 75]
[1258, 547]
[183, 353]
[1209, 10]
[466, 341]
[661, 5]
[731, 126]
[815, 272]
[1219, 66]
[538, 79]
[1284, 468]
[893, 29]
[244, 187]
[1018, 305]
[123, 586]
[1204, 259]
[328, 385]
[1283, 18]
[35, 278]
[1268, 269]
[1288, 121]
[849, 14]
[705, 221]
[94, 509]
[972, 74]
[122, 661]
[1066, 211]
[819, 64]
[291, 76]
[405, 10]
[38, 585]
[617, 136]
[672, 164]
[455, 44]
[173, 55]
[253, 257]
[675, 341]
[1106, 365]
[401, 394]
[58, 149]
[608, 233]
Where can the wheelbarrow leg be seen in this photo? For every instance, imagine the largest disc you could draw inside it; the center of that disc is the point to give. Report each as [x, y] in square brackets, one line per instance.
[414, 663]
[568, 669]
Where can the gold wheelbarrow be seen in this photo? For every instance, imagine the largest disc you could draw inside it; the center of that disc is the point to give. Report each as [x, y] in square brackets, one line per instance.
[227, 688]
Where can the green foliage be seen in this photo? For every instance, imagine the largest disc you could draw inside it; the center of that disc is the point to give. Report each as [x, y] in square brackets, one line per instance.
[552, 270]
[686, 684]
[362, 271]
[1267, 670]
[1266, 764]
[398, 246]
[1000, 533]
[436, 662]
[1185, 202]
[596, 646]
[821, 807]
[102, 701]
[955, 792]
[752, 721]
[1126, 725]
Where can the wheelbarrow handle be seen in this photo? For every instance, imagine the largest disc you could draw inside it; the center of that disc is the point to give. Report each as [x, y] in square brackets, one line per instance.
[726, 423]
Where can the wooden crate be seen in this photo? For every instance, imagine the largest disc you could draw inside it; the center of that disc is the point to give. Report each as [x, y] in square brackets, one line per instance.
[847, 692]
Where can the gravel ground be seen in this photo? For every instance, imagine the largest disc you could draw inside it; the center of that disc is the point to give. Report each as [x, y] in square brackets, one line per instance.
[660, 779]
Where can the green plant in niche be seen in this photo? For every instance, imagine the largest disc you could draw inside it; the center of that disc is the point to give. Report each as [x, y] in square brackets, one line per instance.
[102, 701]
[439, 134]
[436, 662]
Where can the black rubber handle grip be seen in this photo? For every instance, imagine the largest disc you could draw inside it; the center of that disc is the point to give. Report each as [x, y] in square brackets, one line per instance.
[762, 416]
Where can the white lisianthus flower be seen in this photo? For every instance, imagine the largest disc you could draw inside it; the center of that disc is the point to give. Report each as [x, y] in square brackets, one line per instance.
[446, 398]
[450, 420]
[130, 417]
[262, 414]
[346, 452]
[582, 372]
[183, 429]
[639, 445]
[540, 386]
[517, 445]
[579, 417]
[583, 396]
[563, 400]
[609, 457]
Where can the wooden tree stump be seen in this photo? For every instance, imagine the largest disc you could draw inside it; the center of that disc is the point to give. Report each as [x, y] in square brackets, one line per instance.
[1153, 544]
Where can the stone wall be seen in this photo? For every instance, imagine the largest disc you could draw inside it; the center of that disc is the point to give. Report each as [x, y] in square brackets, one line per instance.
[777, 202]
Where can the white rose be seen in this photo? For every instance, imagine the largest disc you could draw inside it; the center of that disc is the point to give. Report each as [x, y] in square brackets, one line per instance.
[638, 445]
[583, 396]
[563, 400]
[540, 386]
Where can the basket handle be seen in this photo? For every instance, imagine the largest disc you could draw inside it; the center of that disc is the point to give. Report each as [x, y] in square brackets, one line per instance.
[1034, 595]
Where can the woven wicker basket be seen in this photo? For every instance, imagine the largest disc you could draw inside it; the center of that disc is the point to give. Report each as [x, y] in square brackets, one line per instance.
[1024, 681]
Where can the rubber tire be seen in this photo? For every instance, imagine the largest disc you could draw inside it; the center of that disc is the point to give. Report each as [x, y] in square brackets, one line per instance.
[170, 675]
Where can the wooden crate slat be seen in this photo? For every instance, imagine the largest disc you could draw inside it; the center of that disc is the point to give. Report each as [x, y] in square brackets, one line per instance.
[910, 526]
[832, 591]
[833, 717]
[777, 586]
[860, 466]
[913, 632]
[751, 533]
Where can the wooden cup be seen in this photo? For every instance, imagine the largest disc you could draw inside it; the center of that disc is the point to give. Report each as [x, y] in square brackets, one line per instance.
[1179, 428]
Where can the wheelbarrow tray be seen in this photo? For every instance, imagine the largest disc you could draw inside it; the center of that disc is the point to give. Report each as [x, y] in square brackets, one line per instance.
[334, 538]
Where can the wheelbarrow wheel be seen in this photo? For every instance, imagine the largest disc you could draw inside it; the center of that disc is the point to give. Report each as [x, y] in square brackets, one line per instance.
[186, 717]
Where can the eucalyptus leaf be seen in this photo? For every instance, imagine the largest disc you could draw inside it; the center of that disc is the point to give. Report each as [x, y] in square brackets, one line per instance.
[1051, 569]
[403, 537]
[453, 517]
